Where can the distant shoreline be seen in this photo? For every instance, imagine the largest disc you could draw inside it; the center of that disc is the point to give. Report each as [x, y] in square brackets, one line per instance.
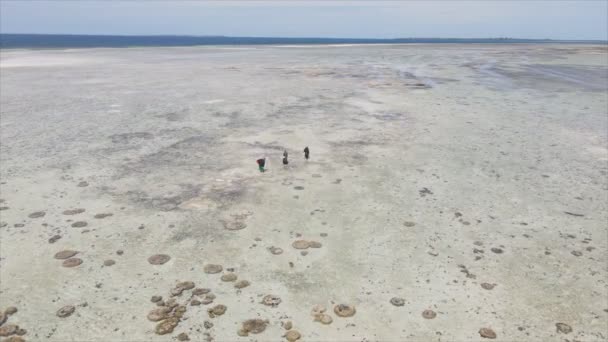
[51, 41]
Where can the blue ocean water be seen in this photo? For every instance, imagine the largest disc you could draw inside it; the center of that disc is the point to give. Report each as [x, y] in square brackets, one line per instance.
[41, 41]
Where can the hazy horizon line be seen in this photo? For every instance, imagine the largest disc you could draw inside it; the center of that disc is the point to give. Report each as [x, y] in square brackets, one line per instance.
[290, 37]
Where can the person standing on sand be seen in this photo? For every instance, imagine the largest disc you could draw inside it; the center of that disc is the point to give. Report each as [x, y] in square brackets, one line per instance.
[261, 163]
[285, 161]
[306, 152]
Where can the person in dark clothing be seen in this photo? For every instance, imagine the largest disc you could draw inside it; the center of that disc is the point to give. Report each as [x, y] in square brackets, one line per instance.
[261, 163]
[285, 161]
[306, 152]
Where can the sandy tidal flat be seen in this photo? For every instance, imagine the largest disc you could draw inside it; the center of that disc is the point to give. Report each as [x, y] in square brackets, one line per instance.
[454, 193]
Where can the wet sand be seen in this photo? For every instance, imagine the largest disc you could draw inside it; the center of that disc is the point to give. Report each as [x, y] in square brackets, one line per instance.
[453, 192]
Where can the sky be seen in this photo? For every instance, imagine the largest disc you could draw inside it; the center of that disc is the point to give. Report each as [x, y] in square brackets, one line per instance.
[579, 20]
